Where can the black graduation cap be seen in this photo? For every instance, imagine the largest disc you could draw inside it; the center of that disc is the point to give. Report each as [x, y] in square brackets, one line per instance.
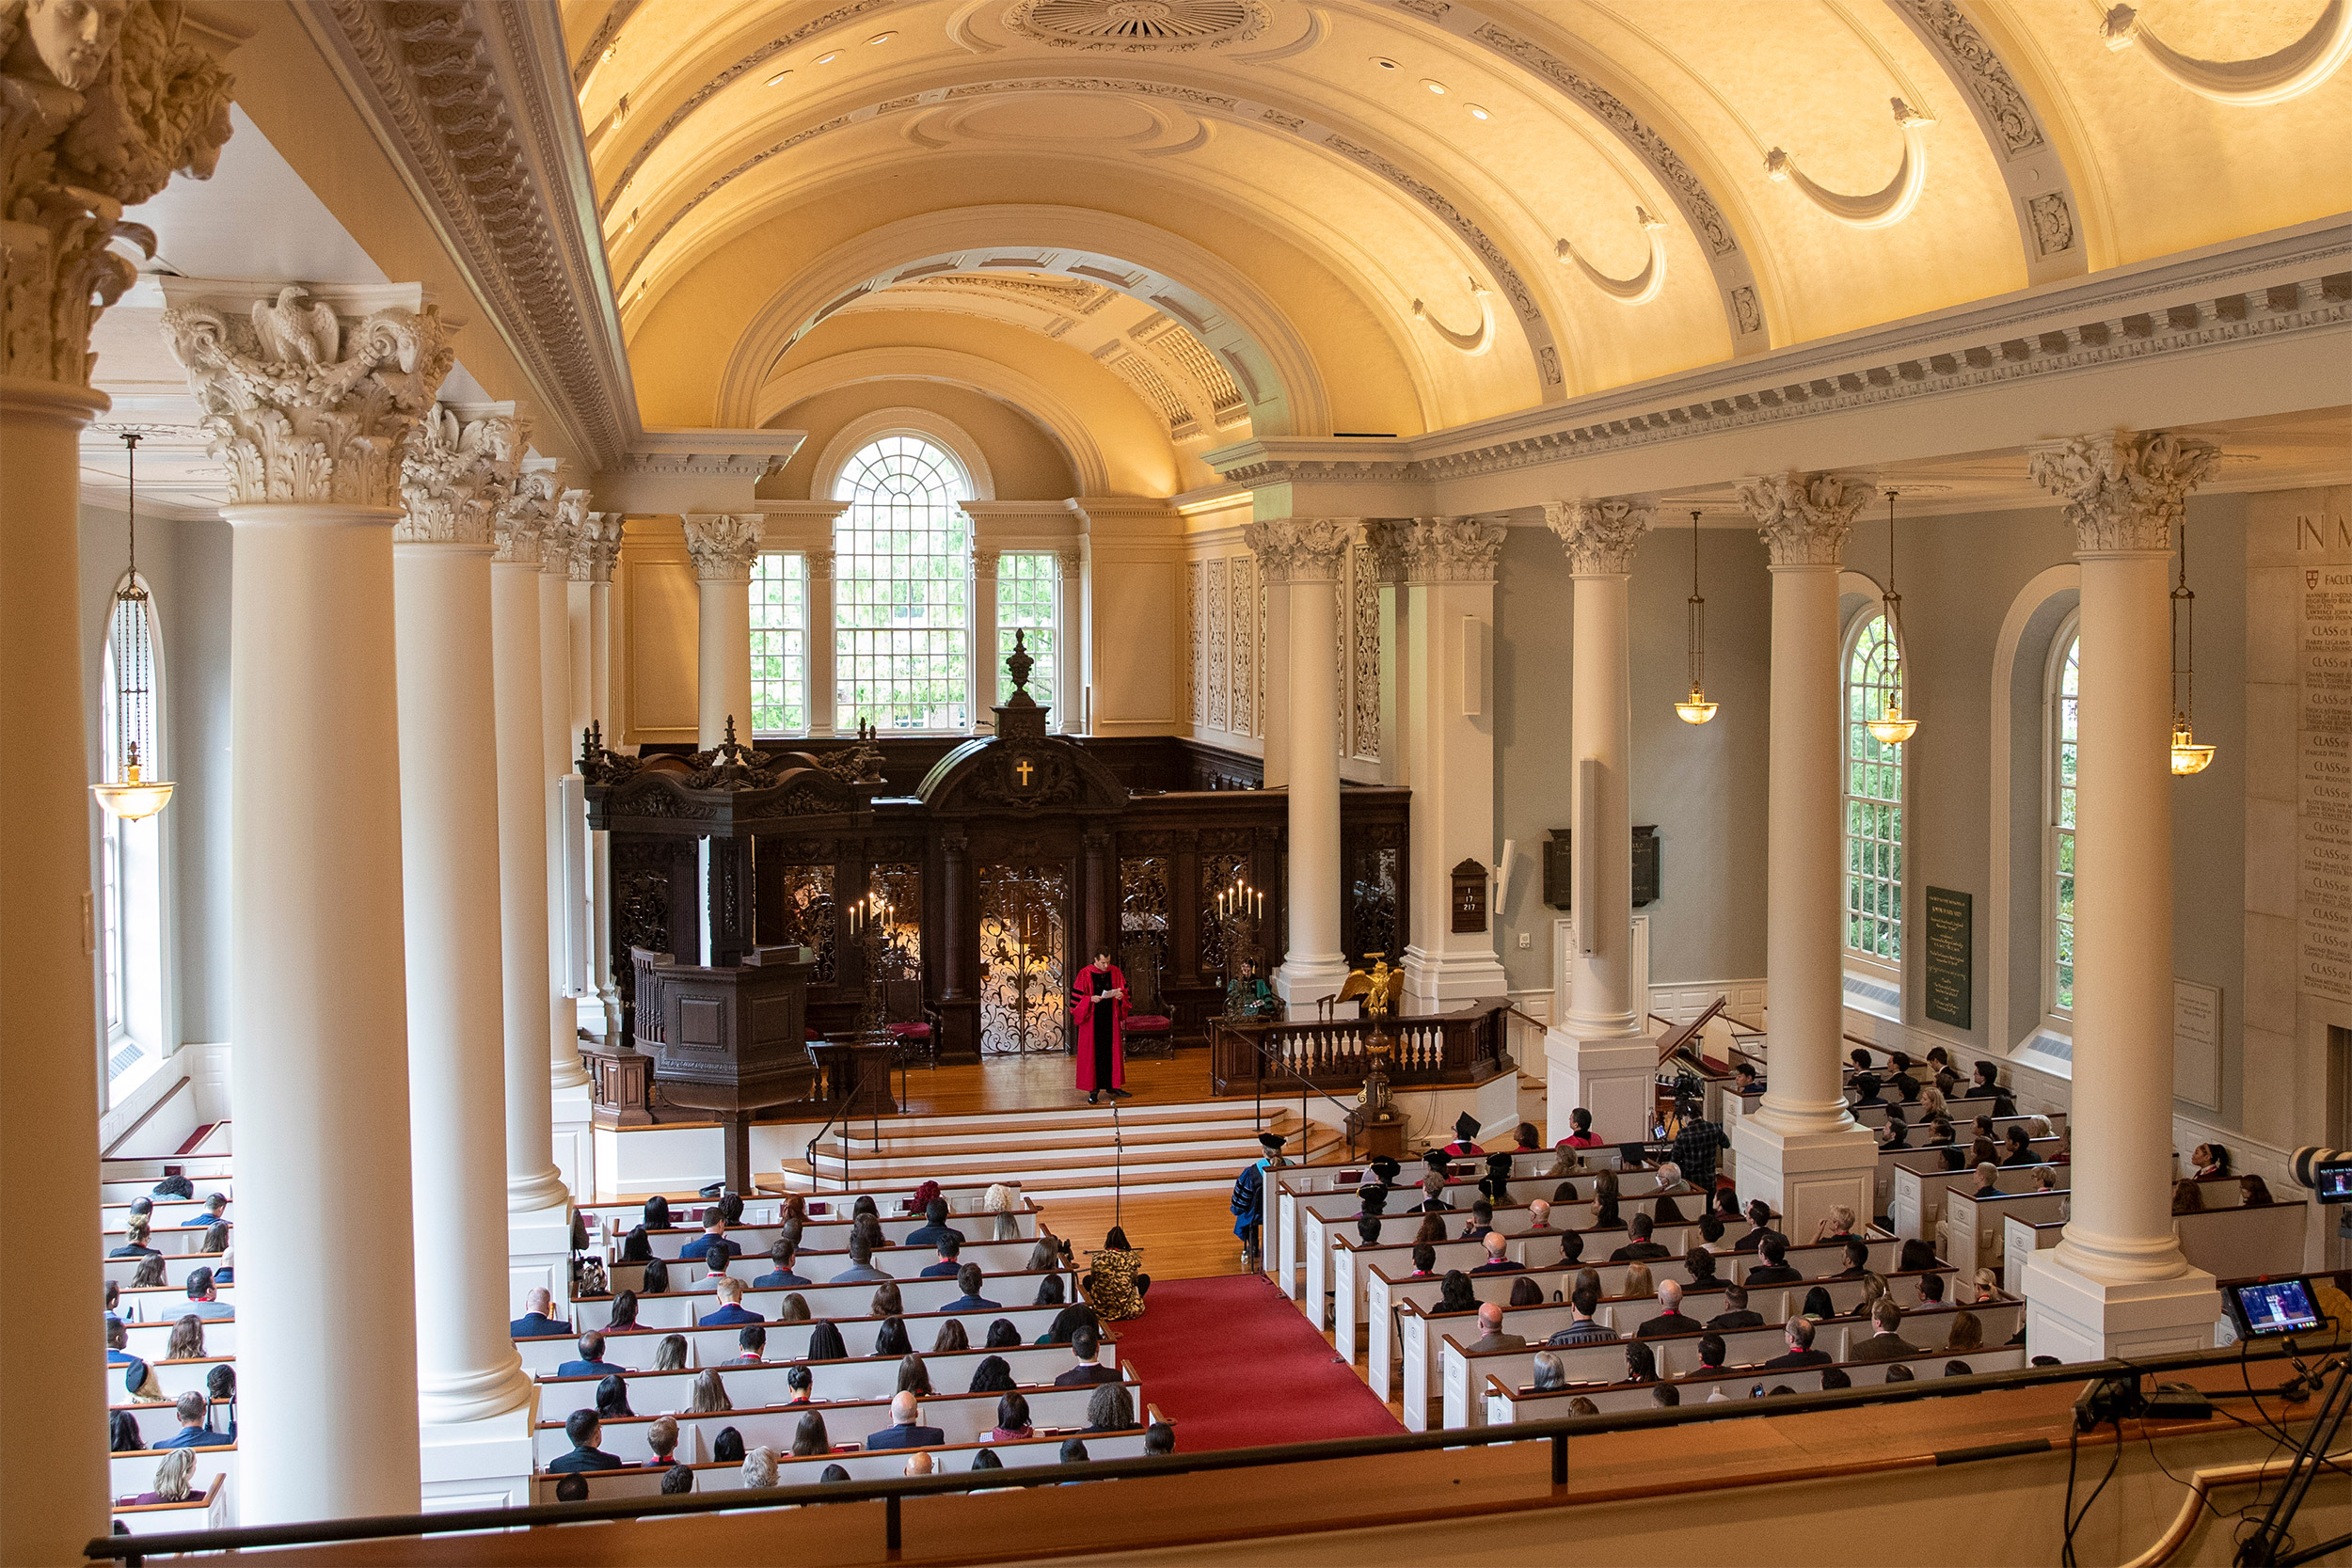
[1496, 1189]
[1386, 1170]
[1272, 1142]
[1374, 1199]
[1498, 1167]
[1435, 1160]
[1466, 1127]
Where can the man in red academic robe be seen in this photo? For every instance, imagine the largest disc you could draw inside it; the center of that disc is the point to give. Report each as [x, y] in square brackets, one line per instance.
[1099, 1003]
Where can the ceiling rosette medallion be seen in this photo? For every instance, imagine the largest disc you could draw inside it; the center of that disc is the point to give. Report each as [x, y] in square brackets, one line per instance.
[1138, 26]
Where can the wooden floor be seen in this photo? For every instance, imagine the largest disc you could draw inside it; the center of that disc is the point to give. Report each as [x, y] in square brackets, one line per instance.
[1026, 1083]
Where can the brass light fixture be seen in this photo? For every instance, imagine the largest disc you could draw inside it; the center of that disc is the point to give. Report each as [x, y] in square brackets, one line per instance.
[130, 795]
[1891, 727]
[1696, 709]
[2187, 757]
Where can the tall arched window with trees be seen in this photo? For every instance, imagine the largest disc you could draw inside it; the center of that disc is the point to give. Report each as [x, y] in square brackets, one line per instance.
[902, 588]
[2065, 689]
[1874, 805]
[130, 872]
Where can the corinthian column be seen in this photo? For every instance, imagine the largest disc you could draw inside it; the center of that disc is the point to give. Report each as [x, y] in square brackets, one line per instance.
[723, 547]
[598, 553]
[473, 1398]
[1299, 559]
[309, 402]
[537, 1205]
[1598, 1052]
[80, 146]
[2117, 1284]
[1448, 568]
[1803, 1151]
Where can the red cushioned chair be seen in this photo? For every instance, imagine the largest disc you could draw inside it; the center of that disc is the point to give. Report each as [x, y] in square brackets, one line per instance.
[1151, 1032]
[911, 1025]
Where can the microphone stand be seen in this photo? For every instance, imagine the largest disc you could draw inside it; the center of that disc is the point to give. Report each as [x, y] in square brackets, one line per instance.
[1118, 1165]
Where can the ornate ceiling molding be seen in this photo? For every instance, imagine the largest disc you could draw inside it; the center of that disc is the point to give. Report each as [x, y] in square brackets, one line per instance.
[1882, 208]
[2273, 78]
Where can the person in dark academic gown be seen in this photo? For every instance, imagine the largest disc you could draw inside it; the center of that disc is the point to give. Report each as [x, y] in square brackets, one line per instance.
[1249, 1203]
[1464, 1144]
[1098, 1000]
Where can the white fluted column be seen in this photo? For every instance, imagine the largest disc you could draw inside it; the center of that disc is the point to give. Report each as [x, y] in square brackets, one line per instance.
[1448, 565]
[474, 1400]
[1599, 1054]
[1801, 1150]
[537, 1204]
[2117, 1283]
[723, 547]
[600, 552]
[987, 662]
[1299, 558]
[822, 698]
[312, 408]
[567, 845]
[1070, 715]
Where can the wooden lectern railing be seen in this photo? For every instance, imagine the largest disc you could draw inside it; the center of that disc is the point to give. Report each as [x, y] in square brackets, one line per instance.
[1465, 1047]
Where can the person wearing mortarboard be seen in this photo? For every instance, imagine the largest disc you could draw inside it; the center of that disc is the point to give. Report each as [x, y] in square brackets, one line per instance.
[1464, 1144]
[1433, 1186]
[1098, 1000]
[1384, 1169]
[1249, 1203]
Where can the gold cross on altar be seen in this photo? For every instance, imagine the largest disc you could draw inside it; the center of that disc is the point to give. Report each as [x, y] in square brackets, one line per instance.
[1025, 769]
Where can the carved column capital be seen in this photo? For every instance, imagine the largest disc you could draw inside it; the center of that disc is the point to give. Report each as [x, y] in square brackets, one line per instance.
[599, 547]
[516, 525]
[97, 113]
[309, 398]
[1300, 549]
[2122, 490]
[567, 526]
[1073, 563]
[820, 565]
[457, 470]
[984, 559]
[723, 545]
[1452, 549]
[1383, 543]
[1601, 535]
[1803, 518]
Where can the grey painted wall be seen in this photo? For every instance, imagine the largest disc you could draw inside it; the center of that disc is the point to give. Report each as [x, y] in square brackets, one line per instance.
[1703, 785]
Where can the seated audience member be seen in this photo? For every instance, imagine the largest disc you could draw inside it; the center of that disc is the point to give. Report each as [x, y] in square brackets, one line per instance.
[583, 1429]
[781, 1277]
[968, 1281]
[1641, 1248]
[801, 1384]
[1490, 1335]
[135, 1239]
[171, 1480]
[1012, 1419]
[1158, 1438]
[1712, 1352]
[918, 1464]
[1085, 1344]
[1670, 1318]
[1637, 1280]
[1663, 1210]
[892, 1338]
[712, 1245]
[1073, 1452]
[1772, 1267]
[1046, 1253]
[1940, 1133]
[669, 1355]
[1710, 1229]
[195, 1428]
[1746, 1080]
[951, 1339]
[624, 1311]
[2015, 1150]
[1900, 1374]
[1001, 1203]
[945, 1267]
[2210, 1160]
[1988, 1285]
[809, 1437]
[825, 1343]
[1572, 1247]
[1002, 1335]
[636, 1247]
[1988, 1180]
[612, 1396]
[1760, 1215]
[1958, 1368]
[2046, 1179]
[886, 1302]
[140, 1381]
[1885, 1345]
[1699, 1264]
[592, 1362]
[1896, 1133]
[860, 1261]
[793, 1309]
[1049, 1291]
[1368, 1229]
[119, 1343]
[1966, 1333]
[1605, 1195]
[220, 1391]
[187, 1340]
[1482, 1220]
[662, 1438]
[709, 1396]
[1931, 1289]
[206, 1303]
[915, 1377]
[1525, 1293]
[1641, 1363]
[1800, 1352]
[752, 1346]
[1547, 1374]
[759, 1468]
[657, 1213]
[934, 1228]
[1433, 1186]
[994, 1375]
[1865, 1090]
[1454, 1293]
[210, 1215]
[1835, 1378]
[906, 1430]
[1497, 1259]
[174, 1186]
[1984, 1081]
[832, 1473]
[677, 1480]
[1425, 1260]
[1837, 1225]
[2253, 1190]
[1431, 1232]
[731, 1308]
[1857, 1261]
[1736, 1314]
[1582, 1406]
[1111, 1409]
[1464, 1144]
[728, 1447]
[123, 1433]
[1580, 1133]
[1538, 1216]
[2187, 1199]
[538, 1317]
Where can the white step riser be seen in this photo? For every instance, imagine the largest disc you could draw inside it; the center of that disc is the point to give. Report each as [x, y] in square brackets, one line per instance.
[951, 1148]
[1244, 1124]
[1080, 1113]
[870, 1171]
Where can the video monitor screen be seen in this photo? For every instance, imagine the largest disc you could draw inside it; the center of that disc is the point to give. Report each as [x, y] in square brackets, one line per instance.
[2277, 1306]
[2333, 1180]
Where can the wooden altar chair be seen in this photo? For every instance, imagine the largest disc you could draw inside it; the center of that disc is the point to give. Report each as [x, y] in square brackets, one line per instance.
[1151, 1031]
[913, 1027]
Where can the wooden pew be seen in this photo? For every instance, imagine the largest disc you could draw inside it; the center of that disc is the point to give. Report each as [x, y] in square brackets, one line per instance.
[162, 1303]
[124, 1192]
[1927, 1165]
[207, 1510]
[152, 1339]
[762, 1227]
[2021, 1238]
[176, 1266]
[679, 1308]
[177, 1378]
[1971, 1232]
[961, 1418]
[634, 1349]
[129, 1473]
[881, 1464]
[902, 1264]
[2246, 1240]
[171, 1241]
[1506, 1406]
[870, 1377]
[166, 1213]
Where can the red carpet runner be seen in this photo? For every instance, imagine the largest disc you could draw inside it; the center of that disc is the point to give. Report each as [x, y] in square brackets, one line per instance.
[1234, 1365]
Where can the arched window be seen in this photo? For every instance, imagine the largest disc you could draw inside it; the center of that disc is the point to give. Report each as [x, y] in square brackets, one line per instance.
[1874, 805]
[2065, 687]
[902, 588]
[131, 901]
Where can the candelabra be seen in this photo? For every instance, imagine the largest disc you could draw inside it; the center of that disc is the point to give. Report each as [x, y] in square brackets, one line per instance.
[870, 929]
[1237, 911]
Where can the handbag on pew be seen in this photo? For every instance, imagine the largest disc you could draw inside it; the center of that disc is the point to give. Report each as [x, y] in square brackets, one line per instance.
[588, 1279]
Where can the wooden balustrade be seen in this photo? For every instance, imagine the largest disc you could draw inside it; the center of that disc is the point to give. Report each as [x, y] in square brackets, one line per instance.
[1465, 1047]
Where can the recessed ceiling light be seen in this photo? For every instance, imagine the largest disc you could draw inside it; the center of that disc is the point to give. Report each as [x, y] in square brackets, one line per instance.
[881, 37]
[828, 59]
[778, 77]
[1479, 112]
[1385, 63]
[1434, 86]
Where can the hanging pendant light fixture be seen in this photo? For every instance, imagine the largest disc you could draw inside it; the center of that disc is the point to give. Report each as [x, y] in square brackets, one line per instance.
[1696, 709]
[130, 795]
[1892, 727]
[2187, 757]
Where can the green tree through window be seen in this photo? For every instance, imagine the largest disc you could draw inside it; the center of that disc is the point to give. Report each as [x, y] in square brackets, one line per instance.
[902, 590]
[1874, 803]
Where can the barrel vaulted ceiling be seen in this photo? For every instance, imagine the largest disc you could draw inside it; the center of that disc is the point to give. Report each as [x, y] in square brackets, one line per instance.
[1317, 217]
